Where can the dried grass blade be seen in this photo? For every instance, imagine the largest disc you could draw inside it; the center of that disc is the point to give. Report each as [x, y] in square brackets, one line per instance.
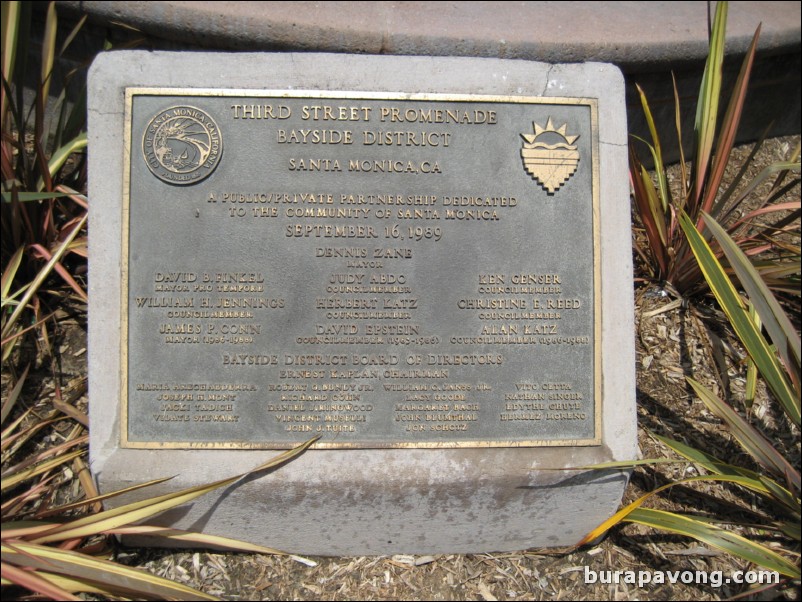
[646, 200]
[785, 497]
[74, 32]
[752, 339]
[739, 177]
[716, 537]
[792, 529]
[23, 529]
[44, 454]
[657, 151]
[80, 468]
[77, 585]
[729, 127]
[752, 480]
[6, 438]
[8, 274]
[622, 464]
[42, 275]
[10, 27]
[48, 50]
[13, 506]
[12, 397]
[777, 208]
[23, 436]
[765, 174]
[774, 191]
[80, 199]
[707, 106]
[72, 412]
[61, 155]
[707, 461]
[654, 206]
[778, 325]
[35, 582]
[750, 439]
[214, 541]
[780, 277]
[15, 479]
[29, 197]
[134, 512]
[22, 74]
[99, 498]
[750, 390]
[678, 123]
[753, 484]
[96, 570]
[780, 192]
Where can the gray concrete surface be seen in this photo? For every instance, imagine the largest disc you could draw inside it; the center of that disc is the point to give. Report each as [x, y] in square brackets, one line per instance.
[647, 40]
[630, 34]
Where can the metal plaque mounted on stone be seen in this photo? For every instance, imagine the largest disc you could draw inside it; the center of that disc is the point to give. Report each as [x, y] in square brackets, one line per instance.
[383, 270]
[424, 261]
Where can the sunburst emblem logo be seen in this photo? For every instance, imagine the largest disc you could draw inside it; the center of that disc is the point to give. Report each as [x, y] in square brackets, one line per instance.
[550, 155]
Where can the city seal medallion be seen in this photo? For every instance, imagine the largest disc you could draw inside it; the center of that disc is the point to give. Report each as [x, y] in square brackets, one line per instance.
[182, 145]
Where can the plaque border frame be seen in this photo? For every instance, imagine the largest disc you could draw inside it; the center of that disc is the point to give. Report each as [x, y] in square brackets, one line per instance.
[591, 103]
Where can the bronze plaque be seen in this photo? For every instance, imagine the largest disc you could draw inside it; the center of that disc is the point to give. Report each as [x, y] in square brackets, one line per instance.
[381, 270]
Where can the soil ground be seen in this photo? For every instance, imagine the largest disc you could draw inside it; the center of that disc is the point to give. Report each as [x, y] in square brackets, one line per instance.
[674, 339]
